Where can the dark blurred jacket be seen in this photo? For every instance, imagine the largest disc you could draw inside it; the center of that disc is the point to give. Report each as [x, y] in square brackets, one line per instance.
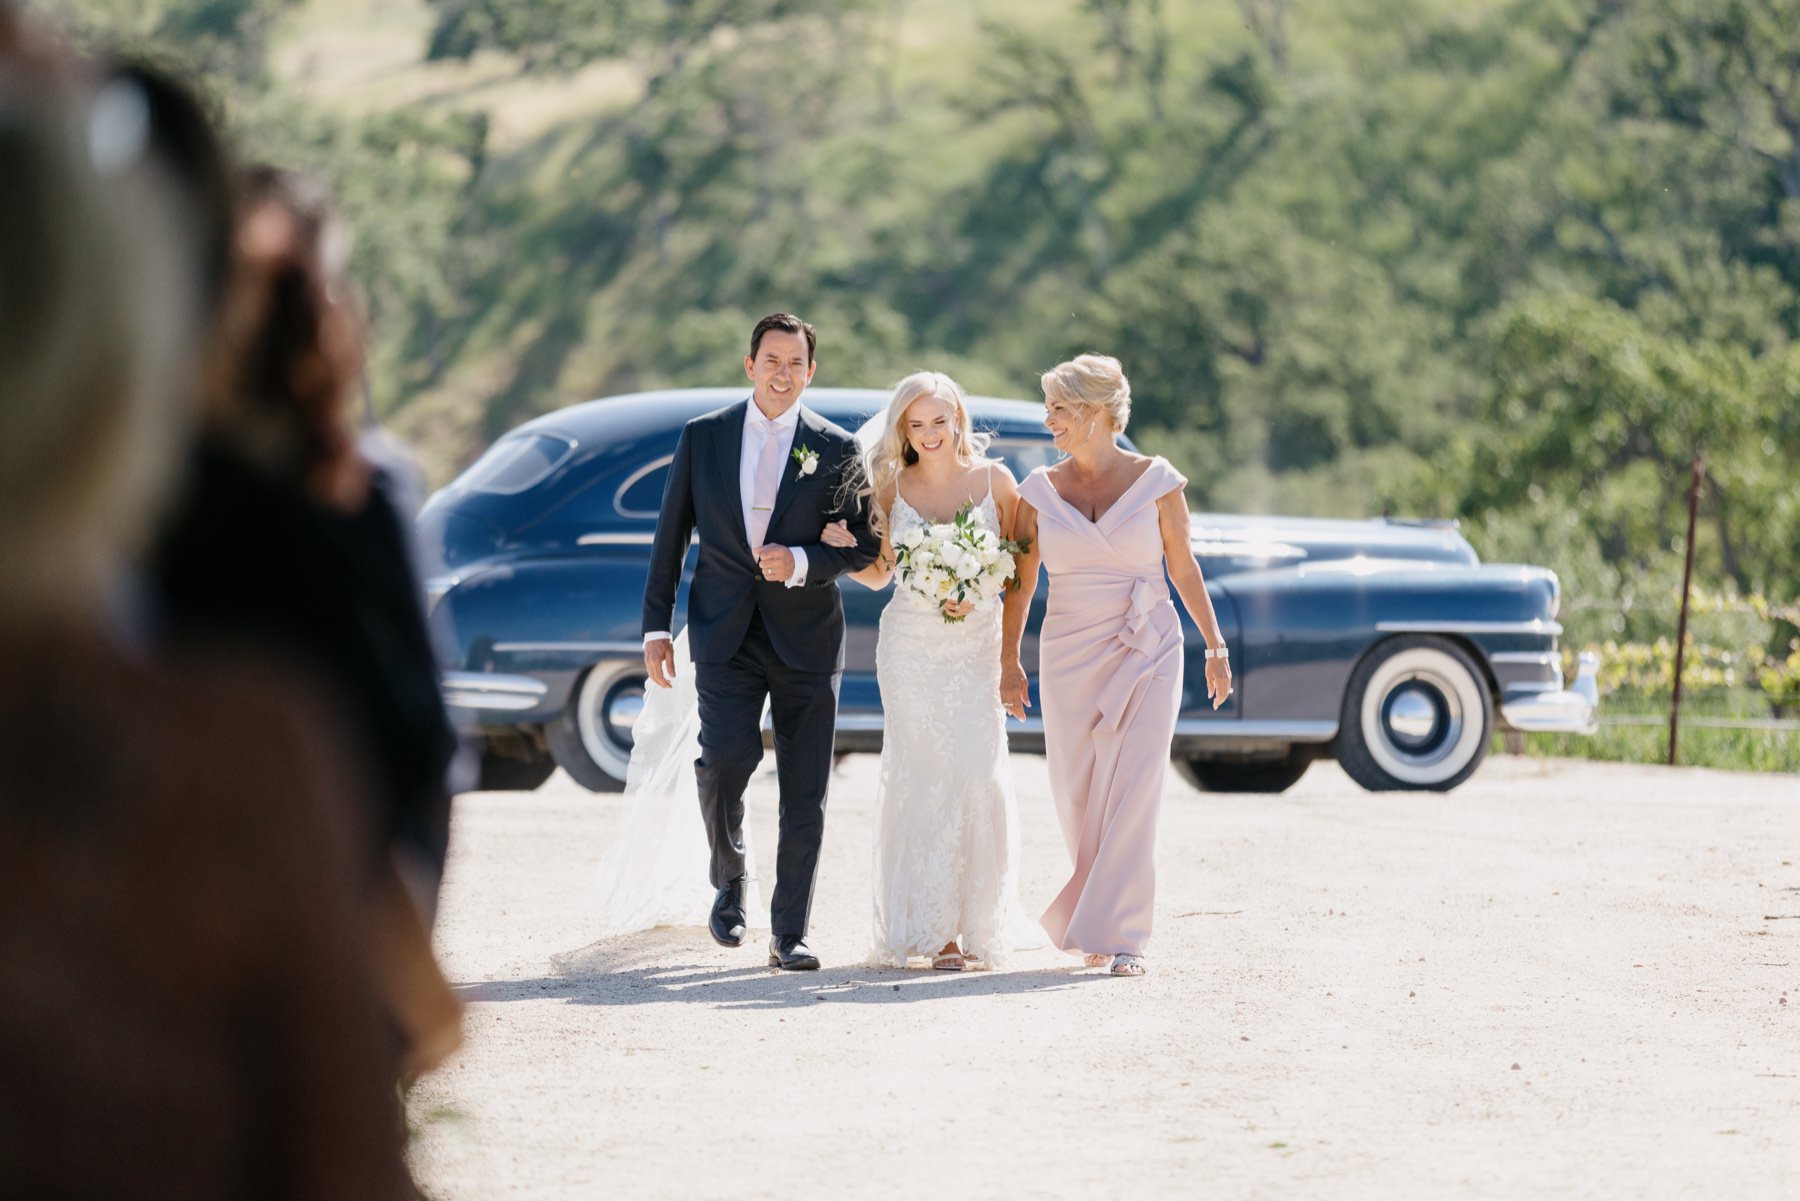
[249, 561]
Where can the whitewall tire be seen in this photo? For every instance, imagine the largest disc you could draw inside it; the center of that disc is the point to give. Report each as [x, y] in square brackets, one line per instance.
[1417, 715]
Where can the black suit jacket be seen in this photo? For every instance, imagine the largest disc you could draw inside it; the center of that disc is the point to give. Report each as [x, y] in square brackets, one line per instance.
[805, 624]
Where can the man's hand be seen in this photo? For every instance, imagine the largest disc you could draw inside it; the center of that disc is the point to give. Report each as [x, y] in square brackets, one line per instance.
[659, 662]
[775, 562]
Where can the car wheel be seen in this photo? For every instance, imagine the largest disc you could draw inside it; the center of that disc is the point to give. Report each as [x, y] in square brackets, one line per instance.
[1417, 715]
[506, 773]
[1270, 776]
[591, 738]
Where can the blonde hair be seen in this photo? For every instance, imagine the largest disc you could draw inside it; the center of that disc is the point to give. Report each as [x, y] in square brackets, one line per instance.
[891, 453]
[91, 322]
[1090, 381]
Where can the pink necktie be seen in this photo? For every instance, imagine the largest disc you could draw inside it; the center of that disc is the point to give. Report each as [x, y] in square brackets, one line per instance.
[765, 485]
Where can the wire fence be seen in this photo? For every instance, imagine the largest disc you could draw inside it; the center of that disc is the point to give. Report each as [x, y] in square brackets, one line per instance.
[1781, 724]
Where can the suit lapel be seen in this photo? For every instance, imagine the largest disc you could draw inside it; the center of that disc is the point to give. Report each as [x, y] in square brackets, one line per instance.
[806, 436]
[730, 446]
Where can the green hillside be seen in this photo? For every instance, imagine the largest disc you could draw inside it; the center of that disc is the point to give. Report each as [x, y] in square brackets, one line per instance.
[1513, 261]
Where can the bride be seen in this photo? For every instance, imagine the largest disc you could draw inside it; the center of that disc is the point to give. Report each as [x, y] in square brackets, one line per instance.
[947, 843]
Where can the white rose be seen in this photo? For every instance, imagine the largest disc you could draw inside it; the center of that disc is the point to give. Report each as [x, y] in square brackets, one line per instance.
[911, 538]
[968, 568]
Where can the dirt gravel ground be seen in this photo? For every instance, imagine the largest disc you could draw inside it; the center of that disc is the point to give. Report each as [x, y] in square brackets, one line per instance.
[1563, 980]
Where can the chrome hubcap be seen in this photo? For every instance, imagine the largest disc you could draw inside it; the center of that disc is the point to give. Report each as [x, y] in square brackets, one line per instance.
[1421, 717]
[623, 707]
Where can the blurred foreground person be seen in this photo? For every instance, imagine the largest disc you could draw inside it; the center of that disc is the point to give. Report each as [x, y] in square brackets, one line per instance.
[284, 544]
[285, 540]
[186, 1002]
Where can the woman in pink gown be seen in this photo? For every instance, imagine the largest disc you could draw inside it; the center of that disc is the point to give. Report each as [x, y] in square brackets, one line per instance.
[1105, 522]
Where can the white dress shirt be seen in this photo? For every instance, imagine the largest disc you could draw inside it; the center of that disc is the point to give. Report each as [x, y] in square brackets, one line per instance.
[786, 426]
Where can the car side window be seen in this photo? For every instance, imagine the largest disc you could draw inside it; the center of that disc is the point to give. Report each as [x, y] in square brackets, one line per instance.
[642, 492]
[1025, 455]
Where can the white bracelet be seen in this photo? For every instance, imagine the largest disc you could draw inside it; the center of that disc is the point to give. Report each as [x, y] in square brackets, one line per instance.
[1223, 652]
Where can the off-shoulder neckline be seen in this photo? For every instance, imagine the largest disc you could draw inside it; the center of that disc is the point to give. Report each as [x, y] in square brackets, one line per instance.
[1149, 467]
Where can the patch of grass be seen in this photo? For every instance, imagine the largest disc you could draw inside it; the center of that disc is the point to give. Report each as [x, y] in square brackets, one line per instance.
[1728, 750]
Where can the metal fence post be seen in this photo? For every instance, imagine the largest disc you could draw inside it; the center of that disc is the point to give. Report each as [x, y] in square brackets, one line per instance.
[1687, 579]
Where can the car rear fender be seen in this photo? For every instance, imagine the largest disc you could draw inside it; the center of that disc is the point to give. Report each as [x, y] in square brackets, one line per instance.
[1306, 629]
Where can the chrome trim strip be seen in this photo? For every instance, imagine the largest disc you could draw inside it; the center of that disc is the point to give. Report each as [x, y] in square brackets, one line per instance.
[634, 477]
[861, 723]
[1549, 629]
[1291, 731]
[605, 648]
[1215, 549]
[486, 690]
[1540, 658]
[616, 539]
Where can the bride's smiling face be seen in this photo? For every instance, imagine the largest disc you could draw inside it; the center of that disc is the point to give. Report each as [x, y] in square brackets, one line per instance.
[930, 426]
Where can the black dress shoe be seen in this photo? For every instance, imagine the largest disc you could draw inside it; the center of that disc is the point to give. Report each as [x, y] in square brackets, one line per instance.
[727, 923]
[792, 955]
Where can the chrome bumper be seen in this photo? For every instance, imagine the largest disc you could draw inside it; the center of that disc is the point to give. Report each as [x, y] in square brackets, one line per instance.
[483, 690]
[1574, 710]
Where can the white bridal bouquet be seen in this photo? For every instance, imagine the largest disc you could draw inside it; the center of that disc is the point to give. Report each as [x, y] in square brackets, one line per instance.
[956, 560]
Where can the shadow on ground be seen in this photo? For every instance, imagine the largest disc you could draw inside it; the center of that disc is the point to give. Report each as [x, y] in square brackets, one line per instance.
[658, 967]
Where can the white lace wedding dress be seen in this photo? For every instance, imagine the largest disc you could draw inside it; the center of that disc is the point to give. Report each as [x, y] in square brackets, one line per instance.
[947, 842]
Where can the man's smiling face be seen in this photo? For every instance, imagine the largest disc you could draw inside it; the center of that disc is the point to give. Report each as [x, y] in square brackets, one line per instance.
[780, 369]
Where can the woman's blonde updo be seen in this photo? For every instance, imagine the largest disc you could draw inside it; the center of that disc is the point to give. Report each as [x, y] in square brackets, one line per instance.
[1088, 382]
[891, 452]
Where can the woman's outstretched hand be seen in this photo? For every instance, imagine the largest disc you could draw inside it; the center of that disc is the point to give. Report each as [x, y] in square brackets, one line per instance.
[838, 534]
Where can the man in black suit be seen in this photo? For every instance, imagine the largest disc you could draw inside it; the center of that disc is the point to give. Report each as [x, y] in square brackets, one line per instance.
[760, 480]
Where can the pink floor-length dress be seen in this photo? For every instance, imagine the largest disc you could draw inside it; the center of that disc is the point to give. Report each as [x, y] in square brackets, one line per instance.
[1109, 680]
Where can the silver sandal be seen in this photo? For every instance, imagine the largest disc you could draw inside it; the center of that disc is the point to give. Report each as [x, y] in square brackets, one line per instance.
[1128, 965]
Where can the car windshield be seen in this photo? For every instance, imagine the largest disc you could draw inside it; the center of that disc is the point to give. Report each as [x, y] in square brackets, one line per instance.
[514, 464]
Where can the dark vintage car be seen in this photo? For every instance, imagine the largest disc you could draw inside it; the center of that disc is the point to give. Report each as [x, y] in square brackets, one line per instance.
[1386, 645]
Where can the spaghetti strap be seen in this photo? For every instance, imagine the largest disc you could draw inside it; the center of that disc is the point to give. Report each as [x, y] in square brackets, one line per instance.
[990, 475]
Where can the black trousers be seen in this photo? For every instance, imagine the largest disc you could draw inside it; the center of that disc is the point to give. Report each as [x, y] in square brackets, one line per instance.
[803, 708]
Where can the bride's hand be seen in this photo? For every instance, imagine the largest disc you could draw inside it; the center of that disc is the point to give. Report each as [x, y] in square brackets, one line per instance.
[838, 534]
[1015, 690]
[958, 609]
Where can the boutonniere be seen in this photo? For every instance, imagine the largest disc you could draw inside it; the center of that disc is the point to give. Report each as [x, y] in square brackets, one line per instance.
[808, 458]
